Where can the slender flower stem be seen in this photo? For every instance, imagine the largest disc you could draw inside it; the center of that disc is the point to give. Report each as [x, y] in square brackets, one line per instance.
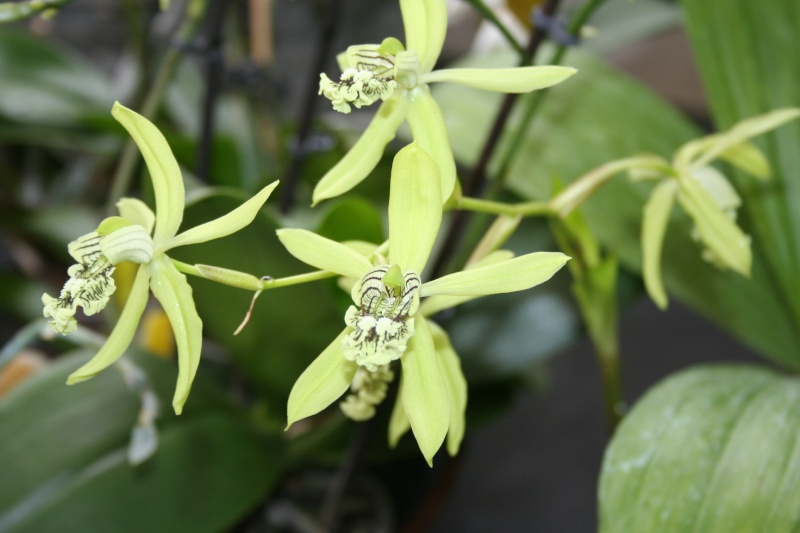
[525, 209]
[121, 180]
[266, 284]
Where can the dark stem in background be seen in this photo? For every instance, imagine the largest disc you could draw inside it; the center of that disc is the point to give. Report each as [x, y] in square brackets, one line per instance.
[329, 13]
[475, 184]
[121, 181]
[211, 49]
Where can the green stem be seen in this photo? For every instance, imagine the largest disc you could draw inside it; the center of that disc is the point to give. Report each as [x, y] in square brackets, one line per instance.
[489, 15]
[525, 209]
[242, 280]
[534, 101]
[121, 181]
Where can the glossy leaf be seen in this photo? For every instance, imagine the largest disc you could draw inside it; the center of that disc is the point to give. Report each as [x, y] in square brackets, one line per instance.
[711, 449]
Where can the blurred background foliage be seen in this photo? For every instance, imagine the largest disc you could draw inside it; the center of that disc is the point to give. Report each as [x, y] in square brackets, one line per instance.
[232, 86]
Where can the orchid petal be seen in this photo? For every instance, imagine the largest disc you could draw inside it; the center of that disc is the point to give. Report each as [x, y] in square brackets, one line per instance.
[164, 171]
[415, 208]
[430, 134]
[654, 226]
[424, 392]
[747, 157]
[137, 212]
[415, 22]
[323, 253]
[456, 387]
[513, 275]
[123, 332]
[365, 153]
[504, 80]
[398, 422]
[718, 232]
[322, 383]
[224, 225]
[434, 304]
[175, 295]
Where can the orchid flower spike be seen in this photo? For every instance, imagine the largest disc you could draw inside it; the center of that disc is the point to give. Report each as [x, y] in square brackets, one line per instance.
[387, 320]
[140, 236]
[399, 76]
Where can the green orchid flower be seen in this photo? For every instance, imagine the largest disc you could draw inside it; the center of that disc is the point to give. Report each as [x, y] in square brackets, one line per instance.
[399, 76]
[387, 321]
[140, 236]
[703, 192]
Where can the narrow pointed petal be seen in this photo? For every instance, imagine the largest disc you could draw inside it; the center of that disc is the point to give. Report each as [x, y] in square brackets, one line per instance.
[175, 295]
[513, 275]
[137, 212]
[415, 208]
[398, 423]
[224, 225]
[430, 134]
[504, 80]
[747, 157]
[654, 227]
[164, 170]
[745, 129]
[425, 23]
[323, 253]
[434, 304]
[365, 153]
[123, 332]
[424, 392]
[322, 383]
[718, 232]
[456, 387]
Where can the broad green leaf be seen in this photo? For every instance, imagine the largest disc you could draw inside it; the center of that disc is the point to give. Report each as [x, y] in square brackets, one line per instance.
[456, 387]
[654, 226]
[365, 153]
[415, 208]
[513, 275]
[711, 449]
[504, 80]
[352, 218]
[424, 392]
[68, 470]
[123, 332]
[175, 295]
[429, 132]
[323, 253]
[322, 383]
[745, 61]
[164, 171]
[718, 232]
[224, 225]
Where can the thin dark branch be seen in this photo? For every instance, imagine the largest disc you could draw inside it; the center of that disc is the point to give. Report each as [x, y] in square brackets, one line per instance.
[475, 184]
[330, 10]
[212, 55]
